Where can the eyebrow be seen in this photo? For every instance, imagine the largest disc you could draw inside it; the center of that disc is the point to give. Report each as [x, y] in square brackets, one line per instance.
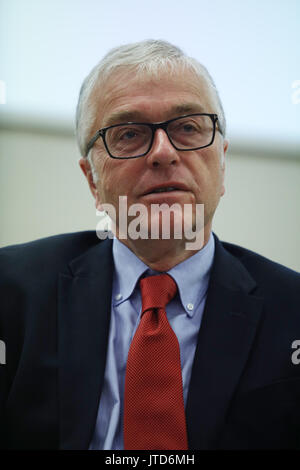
[188, 108]
[123, 116]
[120, 117]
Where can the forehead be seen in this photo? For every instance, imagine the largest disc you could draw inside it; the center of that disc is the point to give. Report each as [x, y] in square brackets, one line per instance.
[126, 96]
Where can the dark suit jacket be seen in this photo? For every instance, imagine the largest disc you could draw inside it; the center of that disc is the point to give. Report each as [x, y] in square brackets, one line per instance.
[55, 299]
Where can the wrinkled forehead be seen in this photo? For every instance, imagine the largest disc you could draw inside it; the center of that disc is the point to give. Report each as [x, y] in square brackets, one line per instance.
[123, 84]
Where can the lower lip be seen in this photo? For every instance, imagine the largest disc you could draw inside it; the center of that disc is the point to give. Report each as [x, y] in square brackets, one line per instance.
[165, 195]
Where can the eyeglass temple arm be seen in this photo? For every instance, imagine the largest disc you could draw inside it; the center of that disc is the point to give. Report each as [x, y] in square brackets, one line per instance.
[93, 140]
[218, 125]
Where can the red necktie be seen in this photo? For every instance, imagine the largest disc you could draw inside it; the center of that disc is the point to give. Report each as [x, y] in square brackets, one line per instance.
[154, 415]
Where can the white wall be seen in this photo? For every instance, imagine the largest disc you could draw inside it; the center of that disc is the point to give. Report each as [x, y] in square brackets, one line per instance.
[43, 192]
[250, 47]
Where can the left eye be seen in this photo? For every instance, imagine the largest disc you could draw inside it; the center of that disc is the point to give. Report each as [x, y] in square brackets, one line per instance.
[188, 128]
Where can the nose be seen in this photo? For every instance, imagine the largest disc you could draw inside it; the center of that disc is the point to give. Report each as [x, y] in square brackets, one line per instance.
[162, 153]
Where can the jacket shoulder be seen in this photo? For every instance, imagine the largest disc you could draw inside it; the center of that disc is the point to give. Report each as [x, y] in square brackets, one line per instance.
[262, 269]
[46, 253]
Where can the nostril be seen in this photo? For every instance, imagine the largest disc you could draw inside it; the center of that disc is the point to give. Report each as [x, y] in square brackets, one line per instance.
[157, 163]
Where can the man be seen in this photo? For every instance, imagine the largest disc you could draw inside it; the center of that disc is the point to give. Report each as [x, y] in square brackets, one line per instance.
[77, 313]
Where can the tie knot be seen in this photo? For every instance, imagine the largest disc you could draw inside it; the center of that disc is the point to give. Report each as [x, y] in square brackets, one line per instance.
[157, 291]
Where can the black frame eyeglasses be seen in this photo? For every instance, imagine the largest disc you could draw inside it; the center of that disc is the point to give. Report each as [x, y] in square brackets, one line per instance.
[166, 126]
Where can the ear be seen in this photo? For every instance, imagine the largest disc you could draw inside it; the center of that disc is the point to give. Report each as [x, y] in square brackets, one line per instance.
[225, 148]
[87, 171]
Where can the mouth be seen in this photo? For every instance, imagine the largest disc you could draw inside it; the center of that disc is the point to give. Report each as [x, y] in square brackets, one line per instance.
[164, 189]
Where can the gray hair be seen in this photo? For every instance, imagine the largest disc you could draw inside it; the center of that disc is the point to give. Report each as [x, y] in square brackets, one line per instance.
[148, 57]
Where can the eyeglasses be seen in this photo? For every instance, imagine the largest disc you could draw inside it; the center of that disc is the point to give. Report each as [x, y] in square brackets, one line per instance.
[135, 139]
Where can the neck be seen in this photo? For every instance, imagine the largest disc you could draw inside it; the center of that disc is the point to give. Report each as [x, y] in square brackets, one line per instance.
[162, 255]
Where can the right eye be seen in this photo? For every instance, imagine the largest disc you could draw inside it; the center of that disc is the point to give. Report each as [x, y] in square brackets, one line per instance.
[127, 135]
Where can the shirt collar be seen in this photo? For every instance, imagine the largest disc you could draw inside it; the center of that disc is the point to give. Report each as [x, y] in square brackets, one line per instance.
[128, 269]
[191, 276]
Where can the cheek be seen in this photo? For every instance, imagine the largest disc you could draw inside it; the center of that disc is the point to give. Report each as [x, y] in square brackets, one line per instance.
[105, 176]
[207, 171]
[114, 177]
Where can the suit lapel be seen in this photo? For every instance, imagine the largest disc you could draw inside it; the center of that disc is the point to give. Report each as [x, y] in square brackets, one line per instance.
[225, 338]
[83, 324]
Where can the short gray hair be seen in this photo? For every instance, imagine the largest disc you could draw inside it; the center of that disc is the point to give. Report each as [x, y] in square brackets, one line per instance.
[146, 57]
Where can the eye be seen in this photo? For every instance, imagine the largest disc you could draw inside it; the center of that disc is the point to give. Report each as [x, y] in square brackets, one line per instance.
[189, 127]
[125, 139]
[128, 135]
[186, 127]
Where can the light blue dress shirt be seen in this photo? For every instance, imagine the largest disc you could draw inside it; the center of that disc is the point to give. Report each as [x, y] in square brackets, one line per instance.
[184, 313]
